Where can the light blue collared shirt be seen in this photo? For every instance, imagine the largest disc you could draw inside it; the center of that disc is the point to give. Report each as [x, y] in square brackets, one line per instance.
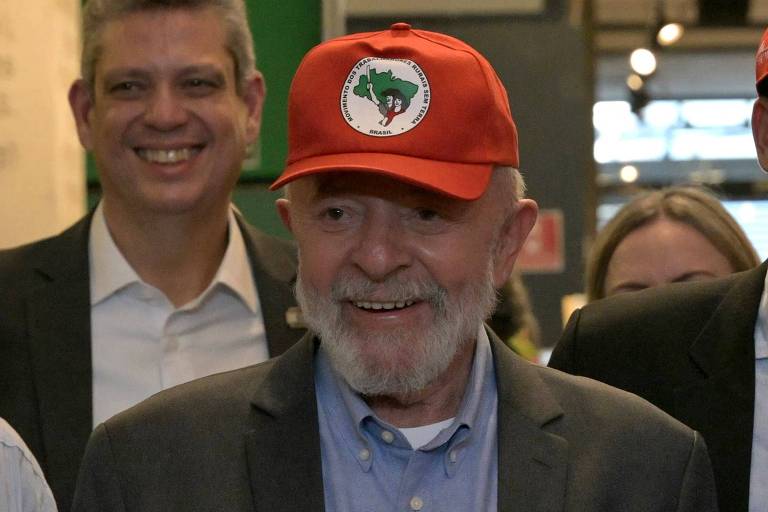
[22, 484]
[758, 490]
[369, 466]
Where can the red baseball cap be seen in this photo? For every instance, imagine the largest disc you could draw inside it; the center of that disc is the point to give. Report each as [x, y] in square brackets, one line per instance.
[419, 106]
[761, 61]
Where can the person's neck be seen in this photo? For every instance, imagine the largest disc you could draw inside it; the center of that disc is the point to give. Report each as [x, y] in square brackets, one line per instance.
[439, 401]
[177, 254]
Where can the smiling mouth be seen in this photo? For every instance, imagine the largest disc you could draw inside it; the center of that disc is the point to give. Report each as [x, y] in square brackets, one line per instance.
[168, 156]
[383, 306]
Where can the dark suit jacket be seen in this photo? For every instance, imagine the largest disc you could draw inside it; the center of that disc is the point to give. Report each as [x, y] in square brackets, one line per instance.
[45, 349]
[248, 440]
[687, 348]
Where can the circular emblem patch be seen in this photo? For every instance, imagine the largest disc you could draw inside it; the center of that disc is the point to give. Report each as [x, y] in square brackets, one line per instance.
[385, 97]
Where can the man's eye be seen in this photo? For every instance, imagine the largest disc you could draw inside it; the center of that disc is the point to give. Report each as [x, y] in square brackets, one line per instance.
[334, 213]
[427, 214]
[200, 84]
[125, 87]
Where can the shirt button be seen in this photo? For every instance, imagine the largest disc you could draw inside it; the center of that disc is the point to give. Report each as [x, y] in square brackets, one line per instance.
[387, 436]
[417, 503]
[364, 454]
[453, 456]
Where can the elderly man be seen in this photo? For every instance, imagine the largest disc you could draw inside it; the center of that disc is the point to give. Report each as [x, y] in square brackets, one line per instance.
[699, 351]
[399, 399]
[164, 282]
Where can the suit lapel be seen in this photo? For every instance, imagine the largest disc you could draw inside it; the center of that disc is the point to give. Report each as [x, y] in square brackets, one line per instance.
[273, 264]
[533, 463]
[283, 450]
[60, 346]
[720, 404]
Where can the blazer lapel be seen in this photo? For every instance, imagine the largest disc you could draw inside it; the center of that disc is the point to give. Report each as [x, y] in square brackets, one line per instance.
[60, 346]
[273, 263]
[720, 404]
[283, 450]
[533, 463]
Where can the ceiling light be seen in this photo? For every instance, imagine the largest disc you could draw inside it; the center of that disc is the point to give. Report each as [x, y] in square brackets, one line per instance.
[629, 174]
[643, 61]
[669, 34]
[635, 82]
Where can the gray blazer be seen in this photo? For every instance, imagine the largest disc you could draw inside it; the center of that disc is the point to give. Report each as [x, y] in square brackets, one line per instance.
[248, 440]
[45, 347]
[687, 348]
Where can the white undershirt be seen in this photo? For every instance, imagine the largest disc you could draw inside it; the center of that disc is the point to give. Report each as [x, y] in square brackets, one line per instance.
[419, 436]
[142, 344]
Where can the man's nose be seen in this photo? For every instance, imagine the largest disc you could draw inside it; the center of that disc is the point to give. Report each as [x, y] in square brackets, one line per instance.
[166, 109]
[382, 248]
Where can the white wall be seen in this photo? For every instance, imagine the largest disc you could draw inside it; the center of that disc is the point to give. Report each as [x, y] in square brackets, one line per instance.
[42, 177]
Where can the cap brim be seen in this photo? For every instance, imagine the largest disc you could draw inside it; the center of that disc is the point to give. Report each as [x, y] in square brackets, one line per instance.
[458, 180]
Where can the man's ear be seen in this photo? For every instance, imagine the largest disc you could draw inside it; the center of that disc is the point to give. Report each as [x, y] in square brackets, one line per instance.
[512, 238]
[81, 102]
[254, 92]
[284, 210]
[760, 130]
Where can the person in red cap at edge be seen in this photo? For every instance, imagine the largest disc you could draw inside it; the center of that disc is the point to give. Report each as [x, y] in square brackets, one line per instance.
[699, 351]
[399, 398]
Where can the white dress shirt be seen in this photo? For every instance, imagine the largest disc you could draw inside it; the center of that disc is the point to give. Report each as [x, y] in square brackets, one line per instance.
[22, 485]
[758, 487]
[142, 344]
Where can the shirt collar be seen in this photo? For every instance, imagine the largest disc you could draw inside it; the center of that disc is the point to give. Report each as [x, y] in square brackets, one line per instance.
[110, 271]
[761, 327]
[356, 416]
[235, 270]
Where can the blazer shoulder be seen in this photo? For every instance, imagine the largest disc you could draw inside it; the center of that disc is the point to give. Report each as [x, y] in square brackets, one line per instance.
[702, 296]
[71, 244]
[597, 407]
[665, 320]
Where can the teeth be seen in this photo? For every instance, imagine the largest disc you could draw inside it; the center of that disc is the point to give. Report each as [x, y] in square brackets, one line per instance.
[167, 156]
[383, 305]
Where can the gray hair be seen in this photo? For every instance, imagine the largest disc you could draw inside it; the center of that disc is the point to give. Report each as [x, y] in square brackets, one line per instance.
[97, 13]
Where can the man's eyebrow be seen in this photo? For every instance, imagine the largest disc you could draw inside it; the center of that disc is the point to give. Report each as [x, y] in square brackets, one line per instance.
[127, 72]
[202, 68]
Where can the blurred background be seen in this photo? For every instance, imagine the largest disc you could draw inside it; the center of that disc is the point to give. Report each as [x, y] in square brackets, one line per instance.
[598, 119]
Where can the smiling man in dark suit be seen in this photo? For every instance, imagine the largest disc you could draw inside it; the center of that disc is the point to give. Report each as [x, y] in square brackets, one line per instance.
[400, 398]
[164, 282]
[699, 351]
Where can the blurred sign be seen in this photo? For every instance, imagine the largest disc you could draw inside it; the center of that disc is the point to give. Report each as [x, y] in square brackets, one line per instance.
[543, 251]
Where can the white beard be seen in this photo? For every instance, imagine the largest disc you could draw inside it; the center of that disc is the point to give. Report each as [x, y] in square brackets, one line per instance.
[398, 361]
